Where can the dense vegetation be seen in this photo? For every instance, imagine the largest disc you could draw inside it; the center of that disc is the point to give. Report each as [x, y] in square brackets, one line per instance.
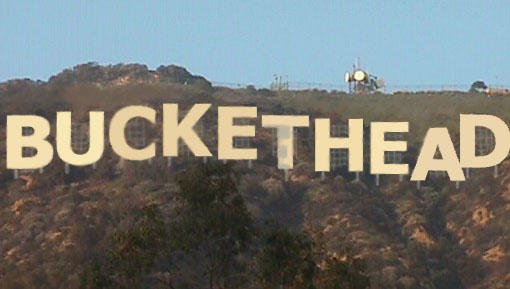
[216, 243]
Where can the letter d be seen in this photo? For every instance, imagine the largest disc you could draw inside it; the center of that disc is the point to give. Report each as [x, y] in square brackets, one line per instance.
[468, 124]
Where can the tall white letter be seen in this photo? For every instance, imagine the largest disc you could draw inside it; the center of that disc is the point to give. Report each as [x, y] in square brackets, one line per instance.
[284, 125]
[16, 142]
[378, 146]
[324, 142]
[438, 138]
[468, 124]
[173, 130]
[227, 131]
[96, 139]
[118, 139]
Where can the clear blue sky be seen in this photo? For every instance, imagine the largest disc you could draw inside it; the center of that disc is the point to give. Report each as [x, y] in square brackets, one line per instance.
[406, 42]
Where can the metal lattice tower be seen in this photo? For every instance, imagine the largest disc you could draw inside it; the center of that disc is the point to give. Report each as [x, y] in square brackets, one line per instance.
[80, 137]
[183, 149]
[280, 83]
[484, 141]
[438, 174]
[393, 157]
[240, 141]
[136, 133]
[27, 151]
[79, 140]
[339, 157]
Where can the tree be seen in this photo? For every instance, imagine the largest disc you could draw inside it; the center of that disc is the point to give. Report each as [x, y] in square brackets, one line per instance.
[214, 224]
[478, 86]
[130, 255]
[286, 260]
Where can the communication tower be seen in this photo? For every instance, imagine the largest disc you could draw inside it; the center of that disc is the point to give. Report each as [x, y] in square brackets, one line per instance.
[360, 81]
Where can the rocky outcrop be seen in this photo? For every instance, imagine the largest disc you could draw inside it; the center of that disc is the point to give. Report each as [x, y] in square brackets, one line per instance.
[112, 75]
[123, 74]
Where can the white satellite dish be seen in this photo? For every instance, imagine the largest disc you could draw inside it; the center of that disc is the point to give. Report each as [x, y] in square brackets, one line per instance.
[347, 77]
[360, 75]
[380, 83]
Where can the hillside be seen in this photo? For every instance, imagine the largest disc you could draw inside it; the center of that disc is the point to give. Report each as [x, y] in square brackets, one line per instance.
[53, 225]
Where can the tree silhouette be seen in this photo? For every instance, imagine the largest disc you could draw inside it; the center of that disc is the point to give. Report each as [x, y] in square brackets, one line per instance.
[213, 224]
